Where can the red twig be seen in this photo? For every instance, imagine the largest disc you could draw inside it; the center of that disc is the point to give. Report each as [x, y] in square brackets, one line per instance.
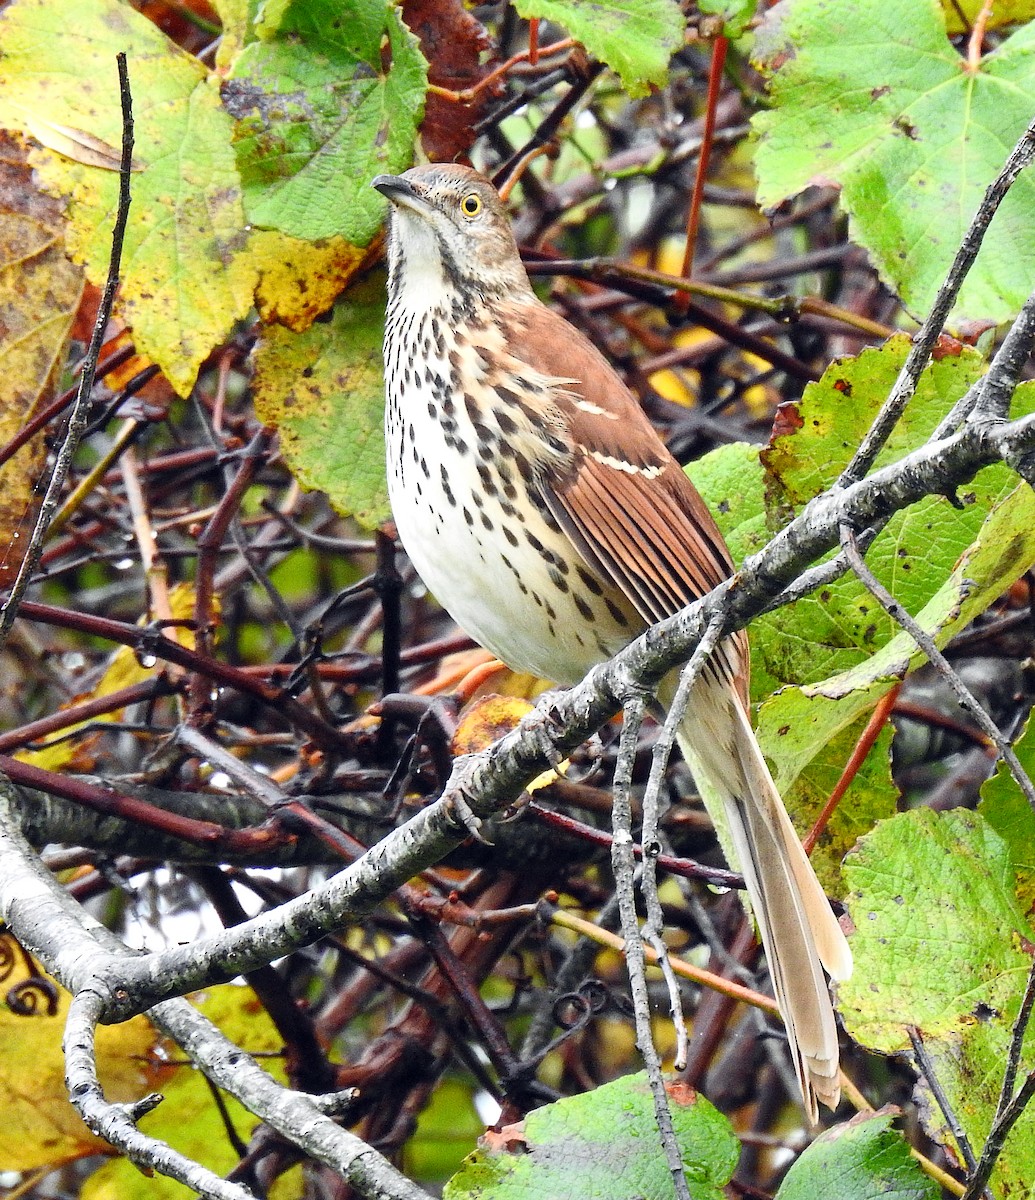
[719, 48]
[686, 867]
[129, 808]
[147, 641]
[147, 689]
[863, 746]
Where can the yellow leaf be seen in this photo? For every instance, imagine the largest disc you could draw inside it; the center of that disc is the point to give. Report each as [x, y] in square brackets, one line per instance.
[40, 1126]
[486, 720]
[299, 280]
[188, 1118]
[39, 294]
[186, 273]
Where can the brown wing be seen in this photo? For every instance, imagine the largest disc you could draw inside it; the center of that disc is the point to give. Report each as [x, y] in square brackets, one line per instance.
[624, 501]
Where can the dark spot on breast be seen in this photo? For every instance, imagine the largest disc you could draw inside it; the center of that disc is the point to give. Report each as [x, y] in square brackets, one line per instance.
[467, 516]
[524, 468]
[487, 478]
[510, 535]
[558, 580]
[507, 396]
[486, 522]
[447, 491]
[506, 422]
[592, 584]
[584, 610]
[616, 612]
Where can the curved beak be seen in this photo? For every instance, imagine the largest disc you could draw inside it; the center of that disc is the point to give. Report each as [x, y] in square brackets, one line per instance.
[400, 192]
[391, 186]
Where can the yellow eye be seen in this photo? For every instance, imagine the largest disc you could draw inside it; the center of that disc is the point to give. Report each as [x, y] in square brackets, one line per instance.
[471, 204]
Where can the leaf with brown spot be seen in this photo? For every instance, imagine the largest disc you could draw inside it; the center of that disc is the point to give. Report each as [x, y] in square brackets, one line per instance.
[486, 720]
[187, 275]
[323, 391]
[40, 291]
[299, 280]
[603, 1145]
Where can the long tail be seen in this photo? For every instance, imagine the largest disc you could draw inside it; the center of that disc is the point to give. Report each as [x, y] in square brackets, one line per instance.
[798, 928]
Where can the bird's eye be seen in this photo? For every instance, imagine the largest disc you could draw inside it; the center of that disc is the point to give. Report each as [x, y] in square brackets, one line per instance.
[471, 204]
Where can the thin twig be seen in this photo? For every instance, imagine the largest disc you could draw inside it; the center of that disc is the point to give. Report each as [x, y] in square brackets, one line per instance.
[926, 1068]
[624, 867]
[967, 700]
[652, 815]
[81, 406]
[1013, 1058]
[716, 983]
[923, 342]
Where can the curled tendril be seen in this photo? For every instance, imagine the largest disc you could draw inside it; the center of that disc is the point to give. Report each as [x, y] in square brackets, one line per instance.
[574, 1010]
[28, 997]
[8, 958]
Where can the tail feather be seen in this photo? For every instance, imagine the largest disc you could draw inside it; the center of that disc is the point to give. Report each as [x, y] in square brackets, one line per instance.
[797, 927]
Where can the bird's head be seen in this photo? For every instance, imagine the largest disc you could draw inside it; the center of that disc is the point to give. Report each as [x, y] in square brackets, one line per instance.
[448, 230]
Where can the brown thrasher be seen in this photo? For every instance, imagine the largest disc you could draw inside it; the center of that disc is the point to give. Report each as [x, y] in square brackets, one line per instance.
[543, 511]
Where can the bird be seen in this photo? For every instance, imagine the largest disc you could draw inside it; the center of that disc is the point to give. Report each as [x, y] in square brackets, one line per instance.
[544, 512]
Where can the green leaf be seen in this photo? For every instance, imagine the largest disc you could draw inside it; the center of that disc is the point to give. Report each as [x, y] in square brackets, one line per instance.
[736, 14]
[939, 931]
[185, 280]
[838, 647]
[797, 722]
[1005, 807]
[603, 1145]
[635, 38]
[820, 664]
[323, 391]
[872, 798]
[872, 96]
[447, 1128]
[858, 1160]
[942, 944]
[319, 115]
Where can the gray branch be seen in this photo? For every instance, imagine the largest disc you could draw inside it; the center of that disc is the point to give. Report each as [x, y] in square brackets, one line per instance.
[492, 780]
[75, 948]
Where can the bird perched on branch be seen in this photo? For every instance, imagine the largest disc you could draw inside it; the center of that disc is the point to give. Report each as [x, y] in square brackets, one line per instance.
[543, 511]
